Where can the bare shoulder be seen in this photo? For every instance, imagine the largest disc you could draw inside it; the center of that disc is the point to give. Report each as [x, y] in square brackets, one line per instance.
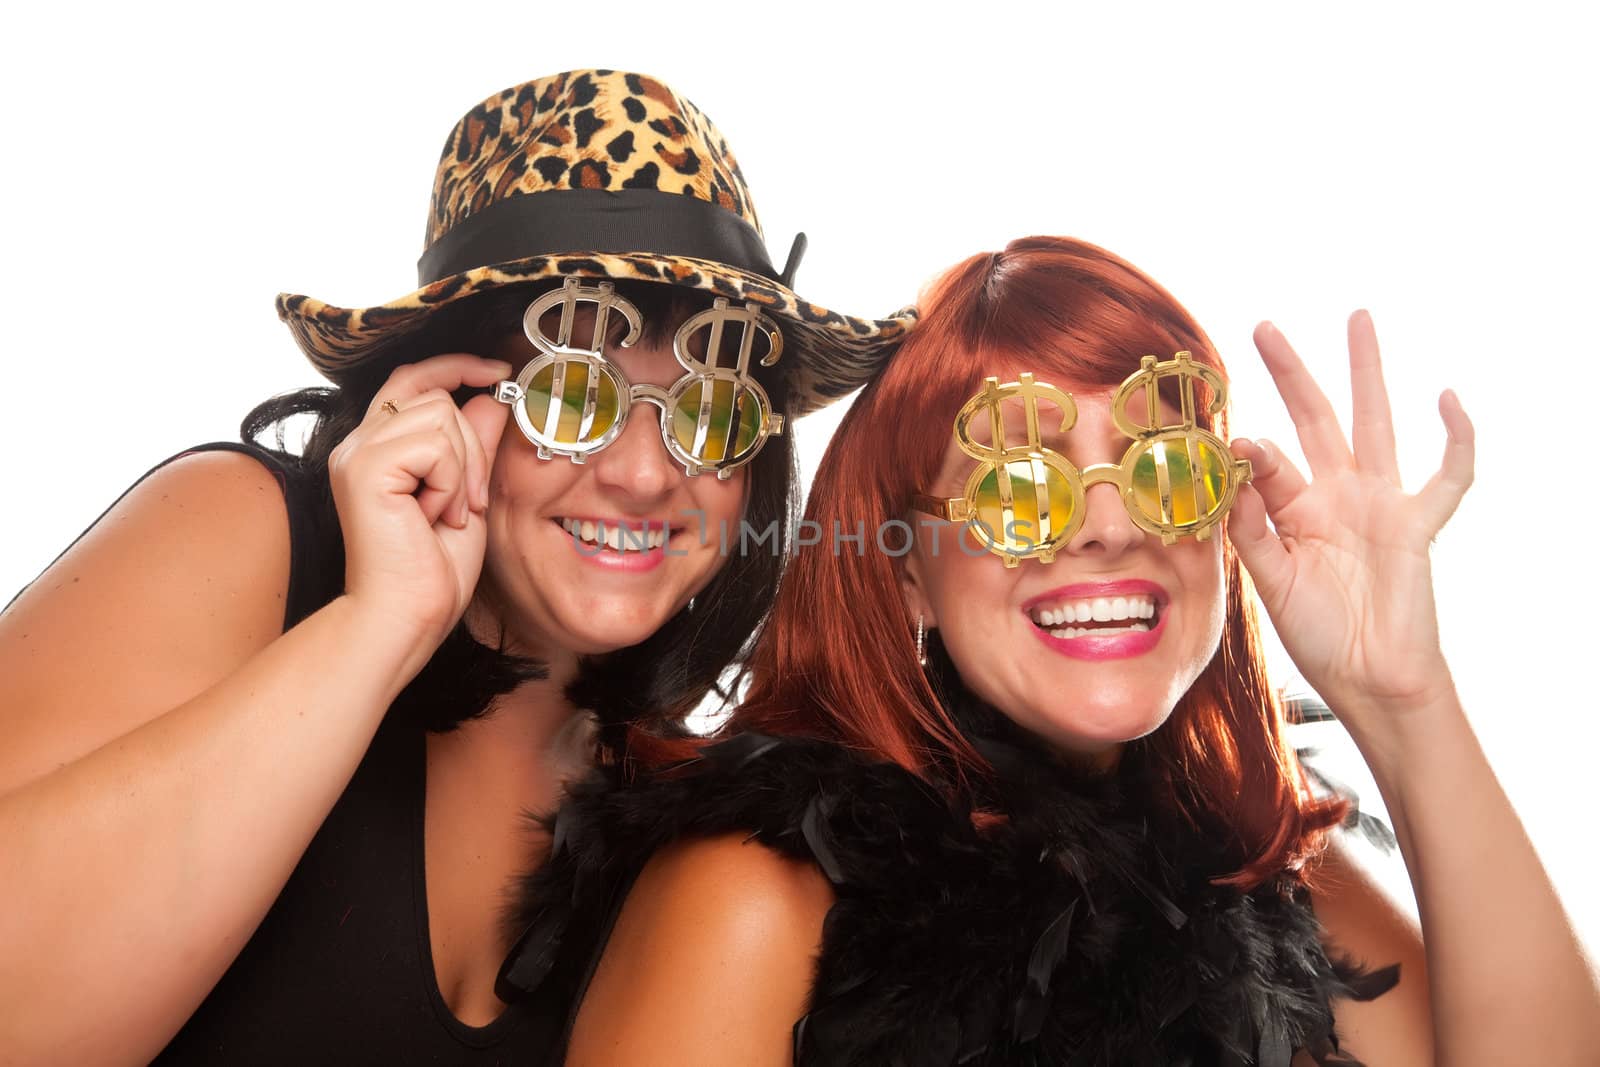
[713, 954]
[1363, 922]
[742, 872]
[182, 580]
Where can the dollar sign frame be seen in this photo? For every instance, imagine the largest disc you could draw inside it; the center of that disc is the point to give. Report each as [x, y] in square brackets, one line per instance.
[997, 461]
[1149, 436]
[559, 355]
[706, 375]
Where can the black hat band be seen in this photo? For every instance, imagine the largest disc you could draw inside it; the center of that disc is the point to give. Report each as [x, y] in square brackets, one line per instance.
[574, 221]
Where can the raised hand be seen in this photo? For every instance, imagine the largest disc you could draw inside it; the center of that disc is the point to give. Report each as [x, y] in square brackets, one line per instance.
[1343, 569]
[411, 485]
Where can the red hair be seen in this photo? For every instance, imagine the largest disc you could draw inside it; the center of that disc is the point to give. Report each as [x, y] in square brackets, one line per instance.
[835, 660]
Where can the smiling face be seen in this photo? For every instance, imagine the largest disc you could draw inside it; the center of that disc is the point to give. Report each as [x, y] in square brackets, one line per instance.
[546, 575]
[1089, 651]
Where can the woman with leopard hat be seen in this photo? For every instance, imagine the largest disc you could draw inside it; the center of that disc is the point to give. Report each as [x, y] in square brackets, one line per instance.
[274, 720]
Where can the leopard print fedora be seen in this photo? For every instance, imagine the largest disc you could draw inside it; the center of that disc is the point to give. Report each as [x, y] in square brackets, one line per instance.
[637, 184]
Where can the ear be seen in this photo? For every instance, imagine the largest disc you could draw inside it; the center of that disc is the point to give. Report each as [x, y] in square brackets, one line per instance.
[914, 593]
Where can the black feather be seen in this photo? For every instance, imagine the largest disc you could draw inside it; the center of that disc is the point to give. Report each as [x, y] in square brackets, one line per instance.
[1082, 929]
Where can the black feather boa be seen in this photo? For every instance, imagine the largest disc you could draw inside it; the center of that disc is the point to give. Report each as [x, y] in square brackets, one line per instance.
[1081, 930]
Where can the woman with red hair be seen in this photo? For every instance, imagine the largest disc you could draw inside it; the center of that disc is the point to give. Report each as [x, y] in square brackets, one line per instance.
[1022, 785]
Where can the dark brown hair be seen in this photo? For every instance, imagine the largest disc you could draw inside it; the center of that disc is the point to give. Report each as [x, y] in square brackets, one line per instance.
[656, 682]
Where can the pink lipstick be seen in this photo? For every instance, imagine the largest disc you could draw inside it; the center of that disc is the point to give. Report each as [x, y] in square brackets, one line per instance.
[1086, 606]
[632, 557]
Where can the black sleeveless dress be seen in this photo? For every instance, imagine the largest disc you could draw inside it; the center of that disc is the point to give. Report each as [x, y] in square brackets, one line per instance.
[340, 969]
[1083, 929]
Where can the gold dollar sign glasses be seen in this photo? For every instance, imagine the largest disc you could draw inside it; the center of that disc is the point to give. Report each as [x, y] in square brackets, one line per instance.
[1026, 500]
[572, 401]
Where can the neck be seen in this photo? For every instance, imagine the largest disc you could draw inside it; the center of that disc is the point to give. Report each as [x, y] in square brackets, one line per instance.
[535, 720]
[1101, 761]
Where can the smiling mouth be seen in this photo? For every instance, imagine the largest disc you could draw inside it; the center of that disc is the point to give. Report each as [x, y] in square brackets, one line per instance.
[1097, 616]
[617, 537]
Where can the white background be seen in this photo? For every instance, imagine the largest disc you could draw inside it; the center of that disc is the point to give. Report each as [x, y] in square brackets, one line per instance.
[167, 172]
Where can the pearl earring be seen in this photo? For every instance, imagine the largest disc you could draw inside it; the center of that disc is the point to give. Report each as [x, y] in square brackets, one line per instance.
[922, 652]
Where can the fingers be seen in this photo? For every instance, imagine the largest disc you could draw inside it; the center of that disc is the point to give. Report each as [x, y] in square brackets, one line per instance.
[450, 492]
[1277, 481]
[1259, 549]
[449, 373]
[1314, 420]
[435, 379]
[1439, 498]
[1371, 424]
[487, 419]
[425, 458]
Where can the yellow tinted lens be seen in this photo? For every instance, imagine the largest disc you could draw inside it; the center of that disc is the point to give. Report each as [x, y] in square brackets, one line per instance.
[536, 400]
[572, 397]
[1211, 485]
[574, 392]
[1196, 490]
[715, 444]
[750, 416]
[1027, 528]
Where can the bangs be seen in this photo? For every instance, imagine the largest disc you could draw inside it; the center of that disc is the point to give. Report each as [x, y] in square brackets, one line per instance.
[1095, 377]
[1083, 331]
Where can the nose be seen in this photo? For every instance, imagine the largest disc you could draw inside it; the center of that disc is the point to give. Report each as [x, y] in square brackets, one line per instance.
[1107, 530]
[636, 464]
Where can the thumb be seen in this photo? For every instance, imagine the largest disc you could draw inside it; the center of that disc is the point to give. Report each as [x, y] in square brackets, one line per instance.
[1258, 547]
[487, 417]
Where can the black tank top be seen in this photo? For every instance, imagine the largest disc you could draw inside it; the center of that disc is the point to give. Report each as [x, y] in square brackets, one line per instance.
[340, 969]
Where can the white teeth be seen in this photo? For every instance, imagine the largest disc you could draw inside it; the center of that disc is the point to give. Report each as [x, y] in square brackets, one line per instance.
[617, 536]
[1099, 631]
[1097, 609]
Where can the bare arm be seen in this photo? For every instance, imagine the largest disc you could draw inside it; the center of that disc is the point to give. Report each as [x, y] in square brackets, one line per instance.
[1363, 923]
[1507, 978]
[170, 754]
[132, 874]
[710, 963]
[1344, 573]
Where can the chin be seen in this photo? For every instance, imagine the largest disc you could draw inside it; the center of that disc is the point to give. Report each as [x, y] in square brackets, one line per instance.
[1092, 731]
[598, 632]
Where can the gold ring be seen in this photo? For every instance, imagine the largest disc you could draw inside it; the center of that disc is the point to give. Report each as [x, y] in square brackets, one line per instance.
[389, 406]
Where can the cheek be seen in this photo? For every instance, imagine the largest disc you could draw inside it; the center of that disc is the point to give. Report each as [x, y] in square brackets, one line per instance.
[972, 598]
[721, 503]
[523, 491]
[519, 474]
[1205, 582]
[951, 562]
